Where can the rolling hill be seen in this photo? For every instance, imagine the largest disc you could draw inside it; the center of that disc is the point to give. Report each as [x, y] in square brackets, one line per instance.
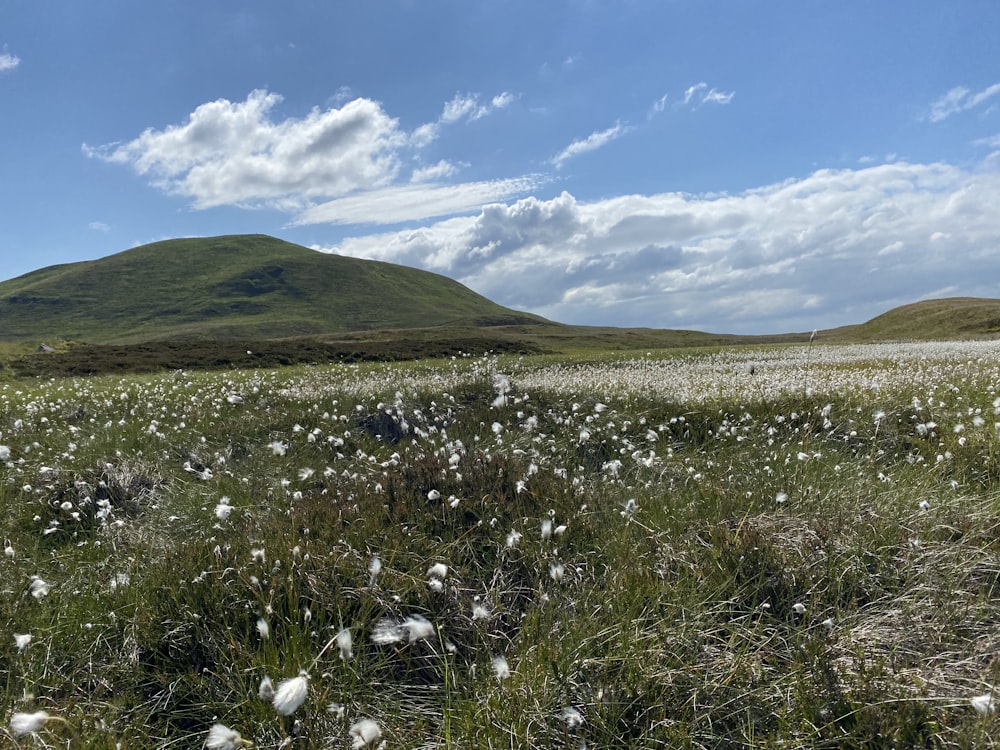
[236, 287]
[928, 320]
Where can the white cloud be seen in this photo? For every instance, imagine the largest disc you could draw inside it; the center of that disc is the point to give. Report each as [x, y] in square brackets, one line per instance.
[658, 106]
[234, 154]
[467, 106]
[693, 91]
[338, 165]
[459, 107]
[592, 142]
[992, 141]
[99, 226]
[700, 93]
[432, 172]
[718, 97]
[960, 99]
[8, 62]
[397, 204]
[835, 247]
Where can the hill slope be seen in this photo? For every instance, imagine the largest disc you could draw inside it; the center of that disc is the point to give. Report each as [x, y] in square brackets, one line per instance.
[929, 320]
[232, 287]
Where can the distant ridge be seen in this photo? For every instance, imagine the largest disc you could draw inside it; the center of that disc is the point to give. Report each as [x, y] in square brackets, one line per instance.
[233, 287]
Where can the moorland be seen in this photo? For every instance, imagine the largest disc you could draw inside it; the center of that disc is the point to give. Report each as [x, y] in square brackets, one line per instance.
[610, 539]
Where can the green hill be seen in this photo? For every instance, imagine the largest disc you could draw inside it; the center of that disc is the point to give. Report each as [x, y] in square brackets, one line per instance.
[237, 287]
[929, 320]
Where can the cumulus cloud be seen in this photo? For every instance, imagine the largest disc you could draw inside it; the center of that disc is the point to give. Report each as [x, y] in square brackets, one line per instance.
[592, 142]
[234, 154]
[960, 99]
[835, 247]
[8, 62]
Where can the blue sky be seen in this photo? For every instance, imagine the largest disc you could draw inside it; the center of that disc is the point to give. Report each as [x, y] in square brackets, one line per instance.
[723, 166]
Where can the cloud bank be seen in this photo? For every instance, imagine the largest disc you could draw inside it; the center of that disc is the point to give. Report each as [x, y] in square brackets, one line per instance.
[835, 247]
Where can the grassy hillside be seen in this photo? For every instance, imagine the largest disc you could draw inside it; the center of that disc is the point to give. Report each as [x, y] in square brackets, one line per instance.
[231, 287]
[930, 320]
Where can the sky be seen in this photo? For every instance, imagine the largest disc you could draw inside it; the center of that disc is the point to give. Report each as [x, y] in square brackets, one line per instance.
[717, 165]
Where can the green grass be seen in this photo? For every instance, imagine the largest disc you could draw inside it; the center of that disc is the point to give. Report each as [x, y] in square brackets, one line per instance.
[663, 614]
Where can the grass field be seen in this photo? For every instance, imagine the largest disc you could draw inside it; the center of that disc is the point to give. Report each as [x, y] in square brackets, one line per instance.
[756, 547]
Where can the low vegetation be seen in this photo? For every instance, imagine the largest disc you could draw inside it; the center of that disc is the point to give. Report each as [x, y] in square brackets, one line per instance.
[760, 548]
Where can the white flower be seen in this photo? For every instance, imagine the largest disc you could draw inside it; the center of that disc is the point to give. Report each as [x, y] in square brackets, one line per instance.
[556, 571]
[374, 569]
[983, 704]
[414, 628]
[924, 505]
[513, 538]
[23, 723]
[828, 624]
[291, 694]
[338, 710]
[799, 608]
[266, 689]
[501, 667]
[221, 737]
[278, 448]
[21, 640]
[364, 732]
[781, 497]
[417, 628]
[4, 453]
[344, 643]
[438, 570]
[547, 528]
[38, 588]
[234, 398]
[223, 509]
[480, 612]
[433, 495]
[263, 629]
[572, 717]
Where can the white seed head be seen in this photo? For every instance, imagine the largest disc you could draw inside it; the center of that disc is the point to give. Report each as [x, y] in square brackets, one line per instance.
[344, 643]
[25, 723]
[38, 588]
[266, 689]
[221, 737]
[983, 704]
[363, 733]
[500, 667]
[291, 694]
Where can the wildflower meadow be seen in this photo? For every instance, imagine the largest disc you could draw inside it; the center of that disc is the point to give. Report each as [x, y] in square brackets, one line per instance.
[780, 547]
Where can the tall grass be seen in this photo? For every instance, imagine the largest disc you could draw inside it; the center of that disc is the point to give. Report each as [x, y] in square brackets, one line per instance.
[663, 551]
